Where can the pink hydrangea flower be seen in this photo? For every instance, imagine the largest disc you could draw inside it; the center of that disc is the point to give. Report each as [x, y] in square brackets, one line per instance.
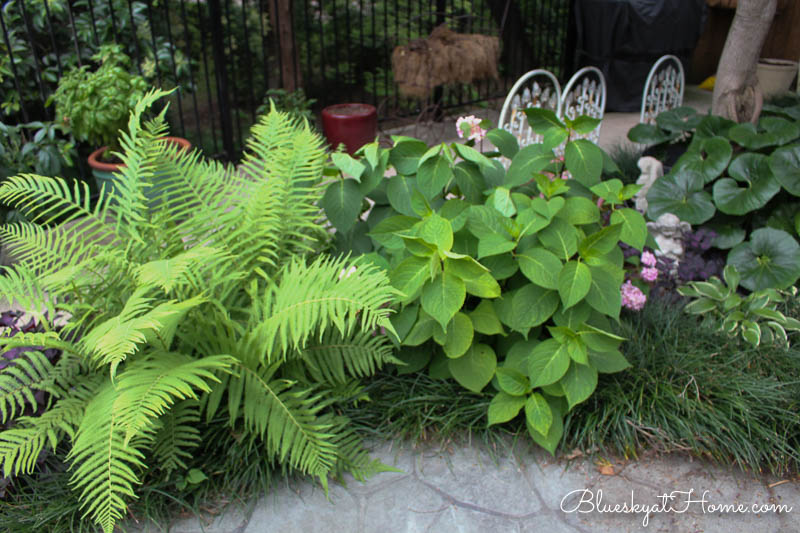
[649, 274]
[632, 296]
[473, 125]
[648, 259]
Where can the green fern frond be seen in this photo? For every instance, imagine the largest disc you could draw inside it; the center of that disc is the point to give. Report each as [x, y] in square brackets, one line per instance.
[104, 467]
[352, 457]
[148, 387]
[286, 417]
[178, 434]
[20, 380]
[23, 285]
[335, 359]
[190, 266]
[313, 298]
[21, 445]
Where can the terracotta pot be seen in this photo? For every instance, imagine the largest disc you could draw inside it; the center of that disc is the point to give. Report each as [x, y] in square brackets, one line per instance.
[104, 172]
[352, 124]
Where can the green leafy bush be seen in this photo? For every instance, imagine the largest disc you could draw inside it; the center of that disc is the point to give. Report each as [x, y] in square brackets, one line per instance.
[95, 106]
[508, 277]
[739, 180]
[205, 304]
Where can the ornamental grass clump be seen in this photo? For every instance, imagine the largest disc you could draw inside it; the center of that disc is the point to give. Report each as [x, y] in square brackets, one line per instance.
[213, 304]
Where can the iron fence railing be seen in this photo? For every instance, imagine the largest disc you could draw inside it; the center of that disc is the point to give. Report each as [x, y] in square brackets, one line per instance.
[223, 55]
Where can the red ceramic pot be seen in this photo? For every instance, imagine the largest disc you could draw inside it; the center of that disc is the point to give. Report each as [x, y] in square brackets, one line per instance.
[352, 124]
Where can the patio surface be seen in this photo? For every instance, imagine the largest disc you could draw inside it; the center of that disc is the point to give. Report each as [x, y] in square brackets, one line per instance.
[468, 488]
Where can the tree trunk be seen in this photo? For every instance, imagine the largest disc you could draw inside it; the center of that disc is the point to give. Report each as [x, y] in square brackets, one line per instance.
[735, 93]
[283, 26]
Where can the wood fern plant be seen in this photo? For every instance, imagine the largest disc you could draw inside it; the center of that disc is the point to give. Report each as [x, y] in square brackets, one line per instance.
[205, 295]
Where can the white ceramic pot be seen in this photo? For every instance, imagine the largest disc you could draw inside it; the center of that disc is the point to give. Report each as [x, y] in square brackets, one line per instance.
[775, 76]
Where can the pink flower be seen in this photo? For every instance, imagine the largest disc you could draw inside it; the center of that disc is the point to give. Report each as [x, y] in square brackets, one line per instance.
[472, 125]
[648, 259]
[649, 274]
[632, 296]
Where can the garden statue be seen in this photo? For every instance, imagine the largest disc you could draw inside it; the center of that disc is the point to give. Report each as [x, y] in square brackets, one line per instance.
[652, 169]
[668, 231]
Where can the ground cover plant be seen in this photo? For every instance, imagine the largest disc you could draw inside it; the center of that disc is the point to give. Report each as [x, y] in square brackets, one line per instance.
[509, 279]
[210, 305]
[738, 180]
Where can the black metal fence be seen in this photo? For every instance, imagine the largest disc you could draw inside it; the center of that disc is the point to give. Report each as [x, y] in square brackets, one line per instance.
[223, 55]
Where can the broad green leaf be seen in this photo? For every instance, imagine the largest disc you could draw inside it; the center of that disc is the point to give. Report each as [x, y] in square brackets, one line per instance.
[443, 297]
[409, 276]
[475, 369]
[584, 124]
[584, 160]
[470, 181]
[421, 331]
[548, 208]
[604, 292]
[484, 286]
[348, 165]
[420, 204]
[600, 242]
[404, 320]
[405, 156]
[727, 235]
[501, 266]
[464, 267]
[439, 367]
[574, 282]
[785, 165]
[681, 193]
[561, 238]
[384, 233]
[541, 120]
[648, 134]
[540, 266]
[484, 319]
[634, 228]
[530, 160]
[538, 413]
[679, 119]
[578, 351]
[608, 362]
[418, 246]
[760, 185]
[579, 210]
[399, 190]
[609, 190]
[455, 210]
[713, 126]
[505, 142]
[526, 307]
[504, 407]
[415, 358]
[500, 199]
[437, 231]
[342, 204]
[769, 260]
[471, 154]
[512, 381]
[459, 336]
[574, 316]
[495, 175]
[494, 245]
[550, 441]
[709, 157]
[433, 175]
[547, 363]
[579, 383]
[517, 354]
[486, 222]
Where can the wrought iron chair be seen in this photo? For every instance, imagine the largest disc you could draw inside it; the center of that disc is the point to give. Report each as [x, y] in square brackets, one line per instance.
[663, 89]
[585, 94]
[537, 88]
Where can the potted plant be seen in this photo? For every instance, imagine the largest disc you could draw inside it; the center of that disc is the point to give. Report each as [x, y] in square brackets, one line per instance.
[95, 106]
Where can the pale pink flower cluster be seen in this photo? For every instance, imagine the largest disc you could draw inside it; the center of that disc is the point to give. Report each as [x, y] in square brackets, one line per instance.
[648, 259]
[649, 274]
[632, 296]
[476, 133]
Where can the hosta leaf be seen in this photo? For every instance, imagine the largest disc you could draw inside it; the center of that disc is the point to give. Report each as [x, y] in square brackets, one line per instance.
[538, 413]
[759, 185]
[342, 203]
[680, 193]
[547, 363]
[579, 383]
[574, 282]
[475, 369]
[770, 259]
[504, 407]
[459, 336]
[443, 297]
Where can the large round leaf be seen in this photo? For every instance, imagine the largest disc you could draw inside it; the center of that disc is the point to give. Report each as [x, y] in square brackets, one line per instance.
[770, 259]
[681, 193]
[759, 185]
[342, 203]
[475, 369]
[785, 165]
[399, 191]
[709, 157]
[459, 336]
[679, 119]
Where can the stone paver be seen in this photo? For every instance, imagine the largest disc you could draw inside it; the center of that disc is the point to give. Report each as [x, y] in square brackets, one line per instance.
[467, 489]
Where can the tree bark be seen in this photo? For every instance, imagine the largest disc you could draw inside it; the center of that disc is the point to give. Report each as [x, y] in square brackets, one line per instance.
[283, 26]
[736, 95]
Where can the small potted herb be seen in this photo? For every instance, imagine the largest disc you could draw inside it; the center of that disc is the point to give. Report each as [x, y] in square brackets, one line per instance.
[95, 106]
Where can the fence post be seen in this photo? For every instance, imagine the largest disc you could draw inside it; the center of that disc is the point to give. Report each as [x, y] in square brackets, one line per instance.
[221, 75]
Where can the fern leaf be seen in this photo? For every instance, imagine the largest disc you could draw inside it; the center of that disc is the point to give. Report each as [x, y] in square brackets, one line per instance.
[19, 382]
[148, 387]
[335, 358]
[177, 435]
[104, 467]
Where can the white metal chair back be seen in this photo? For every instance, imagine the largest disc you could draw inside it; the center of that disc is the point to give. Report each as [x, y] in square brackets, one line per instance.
[585, 94]
[537, 88]
[663, 89]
